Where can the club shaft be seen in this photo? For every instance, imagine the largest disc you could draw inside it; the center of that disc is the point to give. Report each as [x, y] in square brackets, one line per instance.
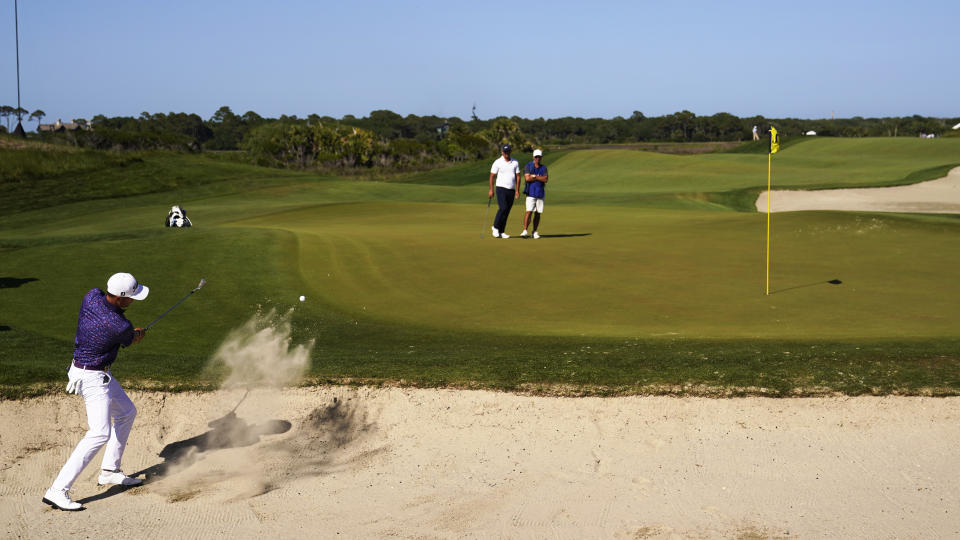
[241, 401]
[486, 216]
[171, 308]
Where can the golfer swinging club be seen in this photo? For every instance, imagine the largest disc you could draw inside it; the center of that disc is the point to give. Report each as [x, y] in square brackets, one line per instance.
[102, 329]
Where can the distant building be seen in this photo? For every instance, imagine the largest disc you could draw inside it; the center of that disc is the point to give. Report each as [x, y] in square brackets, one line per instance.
[59, 126]
[811, 133]
[956, 126]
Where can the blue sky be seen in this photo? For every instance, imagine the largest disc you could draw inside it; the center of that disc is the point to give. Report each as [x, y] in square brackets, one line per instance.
[809, 59]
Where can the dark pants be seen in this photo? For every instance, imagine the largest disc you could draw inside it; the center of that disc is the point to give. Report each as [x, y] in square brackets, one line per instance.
[504, 203]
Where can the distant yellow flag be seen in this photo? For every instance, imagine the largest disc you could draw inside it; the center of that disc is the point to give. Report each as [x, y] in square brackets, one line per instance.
[774, 140]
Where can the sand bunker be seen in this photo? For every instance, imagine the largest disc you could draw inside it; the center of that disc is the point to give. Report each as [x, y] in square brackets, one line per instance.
[941, 196]
[338, 462]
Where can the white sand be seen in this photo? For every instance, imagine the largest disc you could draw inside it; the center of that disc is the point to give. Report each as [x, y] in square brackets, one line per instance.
[473, 464]
[941, 196]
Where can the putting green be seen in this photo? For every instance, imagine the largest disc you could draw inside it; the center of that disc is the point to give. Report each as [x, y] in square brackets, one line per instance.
[617, 272]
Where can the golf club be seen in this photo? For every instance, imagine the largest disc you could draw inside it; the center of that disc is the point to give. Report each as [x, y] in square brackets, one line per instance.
[228, 418]
[200, 286]
[239, 402]
[483, 231]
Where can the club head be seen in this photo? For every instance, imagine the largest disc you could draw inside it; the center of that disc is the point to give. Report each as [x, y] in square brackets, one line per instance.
[200, 286]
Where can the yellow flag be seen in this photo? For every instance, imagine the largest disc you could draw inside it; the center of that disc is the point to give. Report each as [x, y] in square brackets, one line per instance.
[774, 140]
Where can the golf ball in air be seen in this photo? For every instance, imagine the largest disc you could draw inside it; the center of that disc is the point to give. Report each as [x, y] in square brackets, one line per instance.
[302, 298]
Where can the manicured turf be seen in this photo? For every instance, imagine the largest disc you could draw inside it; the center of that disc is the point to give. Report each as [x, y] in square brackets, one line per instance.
[646, 279]
[617, 272]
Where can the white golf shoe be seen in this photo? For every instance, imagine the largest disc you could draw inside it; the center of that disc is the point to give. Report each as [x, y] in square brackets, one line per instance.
[524, 234]
[118, 478]
[536, 234]
[504, 235]
[60, 498]
[496, 233]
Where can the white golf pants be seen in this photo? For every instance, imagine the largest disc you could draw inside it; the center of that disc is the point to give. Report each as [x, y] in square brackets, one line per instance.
[105, 401]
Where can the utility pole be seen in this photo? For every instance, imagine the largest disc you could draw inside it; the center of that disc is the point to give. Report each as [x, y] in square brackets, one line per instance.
[16, 22]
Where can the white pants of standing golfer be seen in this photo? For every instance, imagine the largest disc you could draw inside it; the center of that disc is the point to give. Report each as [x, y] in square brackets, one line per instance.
[105, 401]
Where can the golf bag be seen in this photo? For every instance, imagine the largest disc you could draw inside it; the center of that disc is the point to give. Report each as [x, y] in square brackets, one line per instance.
[178, 218]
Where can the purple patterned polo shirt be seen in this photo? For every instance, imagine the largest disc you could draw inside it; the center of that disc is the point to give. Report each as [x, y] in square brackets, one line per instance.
[101, 330]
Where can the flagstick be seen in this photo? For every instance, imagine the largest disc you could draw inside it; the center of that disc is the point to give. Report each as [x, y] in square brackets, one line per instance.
[769, 161]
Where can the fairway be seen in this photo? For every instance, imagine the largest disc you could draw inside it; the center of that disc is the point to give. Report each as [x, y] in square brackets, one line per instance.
[646, 260]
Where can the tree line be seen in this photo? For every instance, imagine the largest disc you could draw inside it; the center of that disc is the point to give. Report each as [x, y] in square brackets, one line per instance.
[384, 138]
[8, 113]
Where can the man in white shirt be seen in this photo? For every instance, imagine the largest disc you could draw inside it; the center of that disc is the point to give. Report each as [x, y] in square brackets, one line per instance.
[506, 171]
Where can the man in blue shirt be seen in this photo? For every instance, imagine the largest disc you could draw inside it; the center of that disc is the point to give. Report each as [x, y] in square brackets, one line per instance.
[536, 177]
[102, 329]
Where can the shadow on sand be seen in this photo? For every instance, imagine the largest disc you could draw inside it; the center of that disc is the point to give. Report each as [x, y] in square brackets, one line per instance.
[323, 441]
[227, 432]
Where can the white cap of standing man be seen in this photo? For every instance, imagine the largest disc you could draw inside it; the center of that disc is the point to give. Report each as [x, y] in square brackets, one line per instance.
[125, 285]
[538, 152]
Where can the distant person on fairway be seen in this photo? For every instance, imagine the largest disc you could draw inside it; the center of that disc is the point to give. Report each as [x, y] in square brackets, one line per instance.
[506, 171]
[102, 329]
[756, 136]
[535, 174]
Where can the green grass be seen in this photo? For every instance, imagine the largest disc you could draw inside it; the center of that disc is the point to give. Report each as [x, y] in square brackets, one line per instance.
[695, 274]
[35, 179]
[814, 164]
[35, 162]
[649, 278]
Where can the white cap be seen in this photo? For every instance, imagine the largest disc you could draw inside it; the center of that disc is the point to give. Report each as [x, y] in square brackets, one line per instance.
[126, 286]
[538, 152]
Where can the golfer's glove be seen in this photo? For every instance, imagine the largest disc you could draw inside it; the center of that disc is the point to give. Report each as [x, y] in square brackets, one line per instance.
[74, 386]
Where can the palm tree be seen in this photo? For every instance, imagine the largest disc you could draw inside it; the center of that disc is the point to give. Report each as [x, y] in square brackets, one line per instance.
[5, 112]
[37, 115]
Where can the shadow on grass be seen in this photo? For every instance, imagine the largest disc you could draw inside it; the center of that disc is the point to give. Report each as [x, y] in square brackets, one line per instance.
[564, 235]
[13, 282]
[830, 282]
